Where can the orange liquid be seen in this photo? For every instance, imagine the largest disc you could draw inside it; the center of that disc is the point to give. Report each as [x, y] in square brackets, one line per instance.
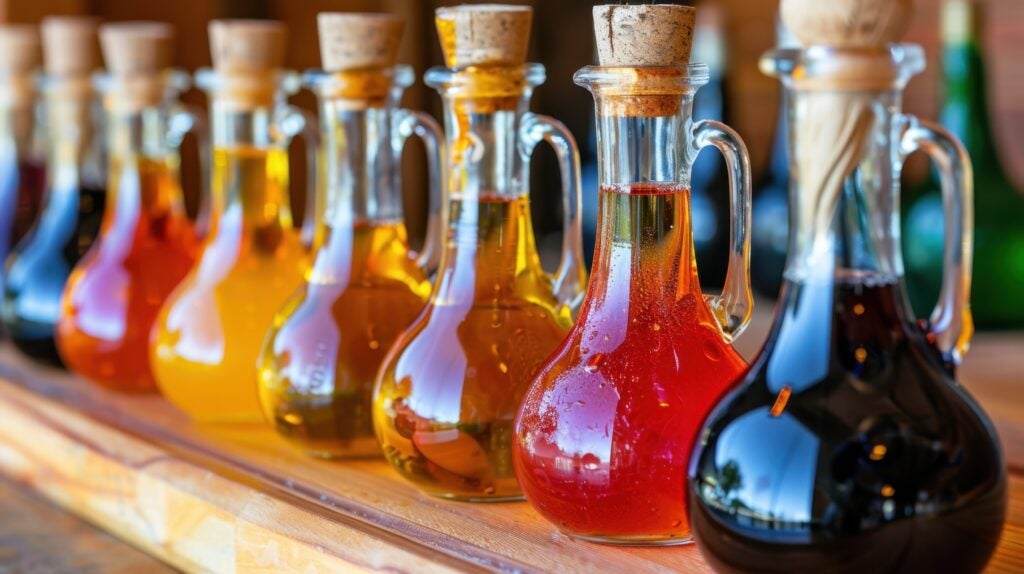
[146, 247]
[449, 390]
[321, 359]
[603, 438]
[209, 333]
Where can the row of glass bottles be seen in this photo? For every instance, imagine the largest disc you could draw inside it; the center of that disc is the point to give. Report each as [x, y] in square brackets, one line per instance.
[605, 426]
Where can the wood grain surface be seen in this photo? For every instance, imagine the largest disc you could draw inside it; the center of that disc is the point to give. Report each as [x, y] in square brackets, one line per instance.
[227, 499]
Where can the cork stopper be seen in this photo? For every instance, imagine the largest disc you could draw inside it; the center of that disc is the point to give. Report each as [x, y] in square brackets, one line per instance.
[20, 51]
[353, 41]
[247, 46]
[484, 34]
[847, 23]
[137, 48]
[69, 45]
[644, 35]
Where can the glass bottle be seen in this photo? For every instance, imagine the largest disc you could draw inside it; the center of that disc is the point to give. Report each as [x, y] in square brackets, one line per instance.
[147, 243]
[448, 391]
[208, 335]
[998, 206]
[22, 175]
[69, 222]
[849, 446]
[320, 359]
[603, 436]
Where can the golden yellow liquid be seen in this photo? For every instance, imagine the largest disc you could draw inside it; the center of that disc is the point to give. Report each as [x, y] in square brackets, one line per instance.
[321, 358]
[208, 335]
[448, 393]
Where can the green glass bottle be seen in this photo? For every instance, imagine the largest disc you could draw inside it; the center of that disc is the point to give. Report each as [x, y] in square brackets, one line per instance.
[998, 208]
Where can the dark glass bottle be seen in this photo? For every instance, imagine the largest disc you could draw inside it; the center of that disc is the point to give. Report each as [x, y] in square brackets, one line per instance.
[848, 446]
[21, 164]
[998, 207]
[38, 268]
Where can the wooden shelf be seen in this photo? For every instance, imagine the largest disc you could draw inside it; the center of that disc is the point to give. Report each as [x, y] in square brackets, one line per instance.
[221, 498]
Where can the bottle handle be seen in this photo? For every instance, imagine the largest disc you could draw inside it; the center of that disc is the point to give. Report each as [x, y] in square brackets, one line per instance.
[734, 307]
[426, 128]
[190, 120]
[294, 122]
[570, 279]
[950, 323]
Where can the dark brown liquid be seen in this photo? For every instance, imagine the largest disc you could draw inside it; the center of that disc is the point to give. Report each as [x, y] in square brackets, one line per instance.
[39, 267]
[848, 448]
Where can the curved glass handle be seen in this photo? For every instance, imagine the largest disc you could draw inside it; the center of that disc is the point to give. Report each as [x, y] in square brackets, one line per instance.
[184, 120]
[950, 322]
[570, 281]
[427, 129]
[734, 307]
[298, 122]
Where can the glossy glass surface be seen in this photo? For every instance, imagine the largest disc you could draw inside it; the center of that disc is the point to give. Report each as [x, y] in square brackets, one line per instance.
[848, 448]
[320, 361]
[449, 390]
[21, 198]
[604, 435]
[208, 335]
[145, 248]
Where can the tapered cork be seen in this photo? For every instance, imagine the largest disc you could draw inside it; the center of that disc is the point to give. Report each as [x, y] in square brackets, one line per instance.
[137, 48]
[644, 35]
[484, 34]
[136, 55]
[247, 54]
[20, 49]
[847, 23]
[353, 41]
[69, 45]
[241, 46]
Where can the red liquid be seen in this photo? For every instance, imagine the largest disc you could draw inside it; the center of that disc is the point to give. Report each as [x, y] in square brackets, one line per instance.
[146, 247]
[604, 435]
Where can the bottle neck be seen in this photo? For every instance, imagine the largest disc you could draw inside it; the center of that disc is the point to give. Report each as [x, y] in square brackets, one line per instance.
[490, 247]
[250, 170]
[965, 107]
[75, 154]
[363, 157]
[851, 232]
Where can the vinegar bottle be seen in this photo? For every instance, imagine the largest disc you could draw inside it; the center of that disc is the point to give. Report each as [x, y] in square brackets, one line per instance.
[849, 446]
[21, 162]
[449, 389]
[207, 337]
[603, 437]
[146, 244]
[321, 357]
[38, 269]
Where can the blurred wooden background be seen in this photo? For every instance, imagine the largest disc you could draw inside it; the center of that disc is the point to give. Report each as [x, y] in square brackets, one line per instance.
[563, 42]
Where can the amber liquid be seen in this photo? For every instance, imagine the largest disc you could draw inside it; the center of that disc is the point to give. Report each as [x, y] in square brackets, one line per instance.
[321, 359]
[604, 435]
[449, 390]
[208, 335]
[145, 248]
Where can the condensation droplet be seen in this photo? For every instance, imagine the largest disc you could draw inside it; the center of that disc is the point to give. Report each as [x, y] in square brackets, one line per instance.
[712, 351]
[503, 368]
[593, 363]
[374, 344]
[591, 462]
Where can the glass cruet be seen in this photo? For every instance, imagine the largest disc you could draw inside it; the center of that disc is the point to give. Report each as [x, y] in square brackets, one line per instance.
[208, 336]
[321, 357]
[849, 446]
[447, 394]
[147, 243]
[603, 437]
[21, 156]
[38, 268]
